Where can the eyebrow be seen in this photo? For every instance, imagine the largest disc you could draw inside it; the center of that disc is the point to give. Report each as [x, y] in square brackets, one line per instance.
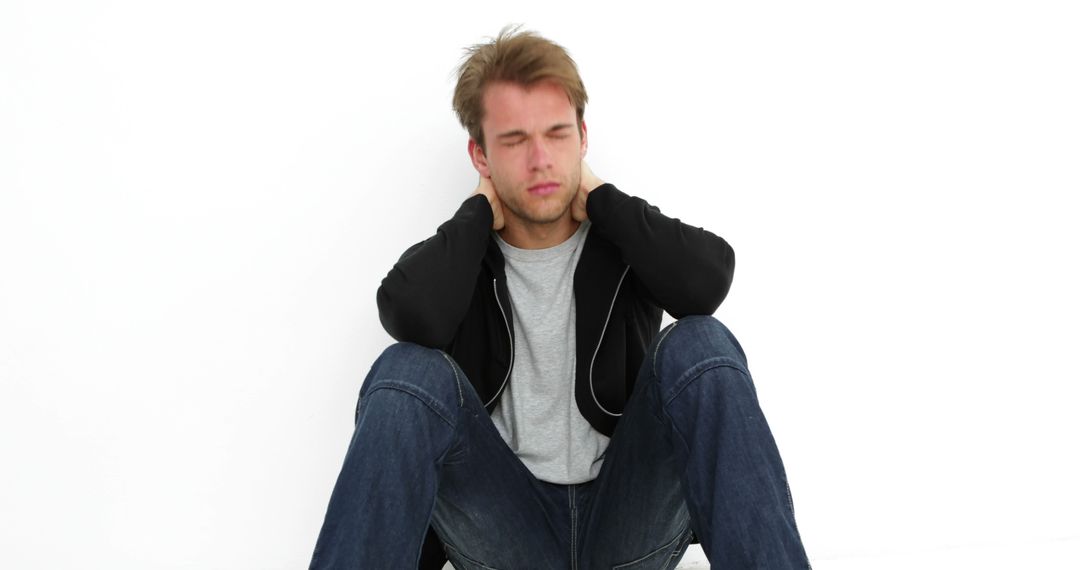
[520, 133]
[511, 134]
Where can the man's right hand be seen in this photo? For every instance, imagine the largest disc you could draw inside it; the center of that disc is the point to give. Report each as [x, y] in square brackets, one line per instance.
[486, 188]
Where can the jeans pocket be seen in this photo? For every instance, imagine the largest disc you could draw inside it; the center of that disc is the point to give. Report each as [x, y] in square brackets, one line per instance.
[665, 557]
[462, 562]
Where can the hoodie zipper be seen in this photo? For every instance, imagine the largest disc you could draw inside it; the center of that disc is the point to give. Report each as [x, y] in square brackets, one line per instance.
[592, 363]
[599, 342]
[509, 334]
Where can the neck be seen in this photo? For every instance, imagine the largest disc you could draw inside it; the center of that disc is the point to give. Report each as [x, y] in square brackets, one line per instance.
[526, 235]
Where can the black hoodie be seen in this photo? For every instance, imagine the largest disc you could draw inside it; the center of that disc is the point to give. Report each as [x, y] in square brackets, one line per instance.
[449, 292]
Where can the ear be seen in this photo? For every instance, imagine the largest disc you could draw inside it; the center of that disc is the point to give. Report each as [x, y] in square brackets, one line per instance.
[584, 138]
[479, 159]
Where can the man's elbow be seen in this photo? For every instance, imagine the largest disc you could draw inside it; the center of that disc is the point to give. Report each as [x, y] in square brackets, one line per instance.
[411, 322]
[707, 288]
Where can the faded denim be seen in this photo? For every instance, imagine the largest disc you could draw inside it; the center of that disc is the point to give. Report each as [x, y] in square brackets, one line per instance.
[692, 455]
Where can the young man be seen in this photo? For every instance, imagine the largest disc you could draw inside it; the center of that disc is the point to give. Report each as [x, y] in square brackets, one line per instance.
[531, 414]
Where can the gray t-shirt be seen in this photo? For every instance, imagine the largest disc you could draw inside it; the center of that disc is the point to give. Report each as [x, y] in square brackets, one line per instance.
[537, 414]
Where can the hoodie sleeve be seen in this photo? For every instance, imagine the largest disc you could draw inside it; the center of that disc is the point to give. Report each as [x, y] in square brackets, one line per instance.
[686, 270]
[427, 293]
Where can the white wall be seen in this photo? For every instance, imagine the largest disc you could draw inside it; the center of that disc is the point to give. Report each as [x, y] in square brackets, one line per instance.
[198, 200]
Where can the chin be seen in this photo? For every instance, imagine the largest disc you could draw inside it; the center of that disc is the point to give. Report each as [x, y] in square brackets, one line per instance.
[548, 213]
[551, 218]
[539, 215]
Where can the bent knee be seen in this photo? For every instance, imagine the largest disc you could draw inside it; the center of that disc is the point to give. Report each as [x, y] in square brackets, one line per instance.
[411, 352]
[414, 368]
[691, 341]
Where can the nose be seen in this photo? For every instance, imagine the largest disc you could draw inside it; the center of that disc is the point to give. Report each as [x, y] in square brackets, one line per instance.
[539, 154]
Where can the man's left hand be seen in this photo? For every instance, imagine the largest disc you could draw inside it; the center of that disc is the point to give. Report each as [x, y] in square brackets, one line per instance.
[589, 182]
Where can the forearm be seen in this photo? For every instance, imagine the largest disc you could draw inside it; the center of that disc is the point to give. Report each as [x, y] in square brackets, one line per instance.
[425, 296]
[686, 270]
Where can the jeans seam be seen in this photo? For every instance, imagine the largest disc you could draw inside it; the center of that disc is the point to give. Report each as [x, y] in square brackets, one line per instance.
[467, 558]
[679, 536]
[573, 529]
[420, 396]
[680, 548]
[660, 342]
[457, 378]
[695, 372]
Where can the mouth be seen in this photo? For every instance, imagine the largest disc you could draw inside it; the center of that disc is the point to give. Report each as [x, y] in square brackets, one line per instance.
[544, 188]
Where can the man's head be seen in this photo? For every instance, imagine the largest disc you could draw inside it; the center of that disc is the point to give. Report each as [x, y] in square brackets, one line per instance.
[522, 101]
[520, 57]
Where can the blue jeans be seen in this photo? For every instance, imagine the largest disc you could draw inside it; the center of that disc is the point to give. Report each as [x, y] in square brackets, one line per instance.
[692, 454]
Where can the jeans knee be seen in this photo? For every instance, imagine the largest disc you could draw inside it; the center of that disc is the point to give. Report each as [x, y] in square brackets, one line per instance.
[691, 341]
[426, 373]
[410, 353]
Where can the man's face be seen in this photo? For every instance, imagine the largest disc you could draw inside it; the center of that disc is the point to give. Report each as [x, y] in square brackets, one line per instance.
[534, 150]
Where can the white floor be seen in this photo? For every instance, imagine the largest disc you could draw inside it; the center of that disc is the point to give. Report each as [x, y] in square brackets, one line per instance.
[1062, 554]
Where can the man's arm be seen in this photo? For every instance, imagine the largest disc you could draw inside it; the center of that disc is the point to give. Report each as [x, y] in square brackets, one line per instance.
[686, 270]
[425, 296]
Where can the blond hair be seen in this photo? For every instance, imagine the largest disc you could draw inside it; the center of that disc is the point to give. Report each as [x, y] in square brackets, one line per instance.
[520, 57]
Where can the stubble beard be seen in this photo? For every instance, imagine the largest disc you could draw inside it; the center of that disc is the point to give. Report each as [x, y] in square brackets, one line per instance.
[515, 202]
